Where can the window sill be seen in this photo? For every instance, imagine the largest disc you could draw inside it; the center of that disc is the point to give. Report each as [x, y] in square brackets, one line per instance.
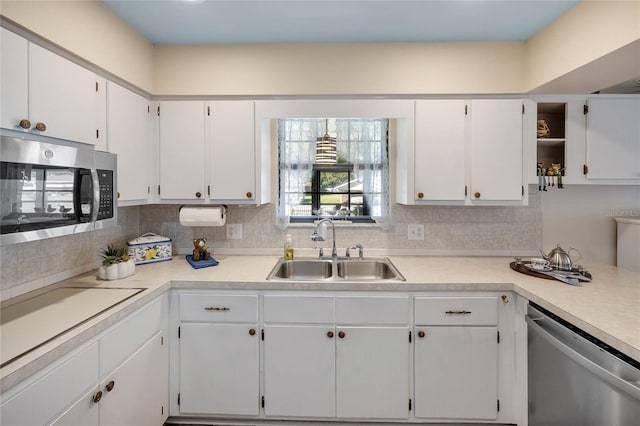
[337, 223]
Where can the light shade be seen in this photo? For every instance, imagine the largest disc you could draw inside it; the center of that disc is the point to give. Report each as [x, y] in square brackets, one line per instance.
[326, 150]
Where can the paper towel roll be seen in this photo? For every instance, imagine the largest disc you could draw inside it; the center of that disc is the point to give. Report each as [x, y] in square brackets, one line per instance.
[203, 216]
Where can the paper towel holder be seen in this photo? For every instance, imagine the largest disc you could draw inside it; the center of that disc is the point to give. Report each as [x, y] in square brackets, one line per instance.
[199, 221]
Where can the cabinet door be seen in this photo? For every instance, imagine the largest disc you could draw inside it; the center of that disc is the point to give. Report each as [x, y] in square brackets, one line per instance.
[496, 150]
[54, 392]
[137, 393]
[128, 137]
[182, 153]
[62, 96]
[299, 371]
[13, 80]
[84, 413]
[456, 373]
[440, 150]
[372, 372]
[219, 369]
[613, 132]
[233, 166]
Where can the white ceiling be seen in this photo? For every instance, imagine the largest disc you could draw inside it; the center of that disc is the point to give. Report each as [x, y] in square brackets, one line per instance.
[330, 21]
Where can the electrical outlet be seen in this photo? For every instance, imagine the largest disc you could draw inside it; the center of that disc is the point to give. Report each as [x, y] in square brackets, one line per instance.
[234, 231]
[415, 232]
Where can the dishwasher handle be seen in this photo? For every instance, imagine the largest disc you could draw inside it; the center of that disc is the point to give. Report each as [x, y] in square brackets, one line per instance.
[631, 388]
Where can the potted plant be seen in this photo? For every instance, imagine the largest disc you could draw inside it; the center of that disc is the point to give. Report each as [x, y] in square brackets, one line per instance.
[116, 263]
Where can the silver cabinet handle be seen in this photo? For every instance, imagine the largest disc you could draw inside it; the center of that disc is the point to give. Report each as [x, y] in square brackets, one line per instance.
[457, 312]
[217, 308]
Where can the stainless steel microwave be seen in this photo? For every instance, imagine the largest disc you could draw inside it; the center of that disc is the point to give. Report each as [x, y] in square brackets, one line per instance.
[48, 190]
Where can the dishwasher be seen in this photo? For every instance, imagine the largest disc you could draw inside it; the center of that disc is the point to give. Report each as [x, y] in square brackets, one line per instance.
[576, 379]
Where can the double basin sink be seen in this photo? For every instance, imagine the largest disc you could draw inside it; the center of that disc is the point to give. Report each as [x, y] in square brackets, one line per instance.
[341, 269]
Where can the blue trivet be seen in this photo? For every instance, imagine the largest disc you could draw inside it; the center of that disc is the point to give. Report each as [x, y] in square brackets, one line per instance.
[198, 264]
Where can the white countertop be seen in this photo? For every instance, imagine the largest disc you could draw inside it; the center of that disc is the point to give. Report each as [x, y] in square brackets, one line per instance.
[608, 307]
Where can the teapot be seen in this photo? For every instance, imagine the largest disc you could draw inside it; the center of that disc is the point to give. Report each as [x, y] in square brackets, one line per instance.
[560, 259]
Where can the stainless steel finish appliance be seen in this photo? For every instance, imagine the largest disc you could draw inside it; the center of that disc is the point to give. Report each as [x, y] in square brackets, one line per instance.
[48, 190]
[575, 379]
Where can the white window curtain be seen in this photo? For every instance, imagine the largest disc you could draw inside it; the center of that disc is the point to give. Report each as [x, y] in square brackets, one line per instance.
[365, 143]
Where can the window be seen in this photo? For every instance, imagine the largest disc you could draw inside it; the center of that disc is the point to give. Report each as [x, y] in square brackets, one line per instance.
[335, 168]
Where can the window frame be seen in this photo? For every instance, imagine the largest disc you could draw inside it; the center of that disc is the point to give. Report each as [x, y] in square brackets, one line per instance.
[316, 193]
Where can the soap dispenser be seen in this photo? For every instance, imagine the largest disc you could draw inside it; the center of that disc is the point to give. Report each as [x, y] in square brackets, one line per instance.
[288, 247]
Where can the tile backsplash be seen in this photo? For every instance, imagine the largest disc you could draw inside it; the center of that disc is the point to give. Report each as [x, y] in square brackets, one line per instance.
[448, 230]
[29, 266]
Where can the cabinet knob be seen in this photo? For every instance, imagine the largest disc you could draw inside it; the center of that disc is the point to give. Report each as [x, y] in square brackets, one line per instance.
[252, 332]
[110, 386]
[420, 195]
[477, 195]
[421, 334]
[330, 334]
[41, 127]
[341, 335]
[25, 124]
[118, 195]
[249, 195]
[198, 195]
[97, 397]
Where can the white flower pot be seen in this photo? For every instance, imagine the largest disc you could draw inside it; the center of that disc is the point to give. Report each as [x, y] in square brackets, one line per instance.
[102, 272]
[111, 272]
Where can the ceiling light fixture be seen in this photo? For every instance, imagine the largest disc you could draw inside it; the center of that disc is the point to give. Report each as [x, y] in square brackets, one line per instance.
[326, 148]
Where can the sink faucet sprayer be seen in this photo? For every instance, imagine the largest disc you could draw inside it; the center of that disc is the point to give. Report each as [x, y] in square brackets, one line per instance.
[317, 237]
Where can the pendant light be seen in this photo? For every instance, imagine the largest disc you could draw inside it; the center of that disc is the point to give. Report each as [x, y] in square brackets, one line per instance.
[326, 148]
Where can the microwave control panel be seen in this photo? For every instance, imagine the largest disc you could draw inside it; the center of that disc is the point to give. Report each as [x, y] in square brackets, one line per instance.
[105, 179]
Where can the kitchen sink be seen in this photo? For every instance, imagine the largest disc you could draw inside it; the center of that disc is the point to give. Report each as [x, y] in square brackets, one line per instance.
[341, 269]
[302, 270]
[368, 269]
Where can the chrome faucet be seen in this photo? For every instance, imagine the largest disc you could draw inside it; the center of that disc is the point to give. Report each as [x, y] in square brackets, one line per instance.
[360, 251]
[317, 237]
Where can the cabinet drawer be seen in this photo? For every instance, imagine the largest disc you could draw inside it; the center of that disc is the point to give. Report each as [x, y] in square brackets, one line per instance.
[456, 310]
[134, 331]
[219, 308]
[389, 310]
[299, 309]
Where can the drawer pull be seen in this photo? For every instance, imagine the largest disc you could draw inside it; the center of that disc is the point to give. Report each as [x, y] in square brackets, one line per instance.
[457, 312]
[217, 308]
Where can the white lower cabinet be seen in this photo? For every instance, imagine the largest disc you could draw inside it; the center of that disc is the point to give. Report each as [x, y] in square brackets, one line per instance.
[347, 356]
[118, 378]
[219, 364]
[299, 371]
[456, 372]
[219, 369]
[372, 379]
[135, 394]
[456, 358]
[349, 367]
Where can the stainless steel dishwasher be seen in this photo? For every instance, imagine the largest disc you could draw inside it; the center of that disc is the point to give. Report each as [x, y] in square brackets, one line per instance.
[575, 379]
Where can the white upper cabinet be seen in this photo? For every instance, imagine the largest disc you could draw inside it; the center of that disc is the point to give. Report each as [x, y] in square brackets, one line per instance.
[613, 138]
[14, 86]
[496, 150]
[208, 153]
[465, 152]
[182, 150]
[46, 94]
[128, 137]
[439, 150]
[232, 168]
